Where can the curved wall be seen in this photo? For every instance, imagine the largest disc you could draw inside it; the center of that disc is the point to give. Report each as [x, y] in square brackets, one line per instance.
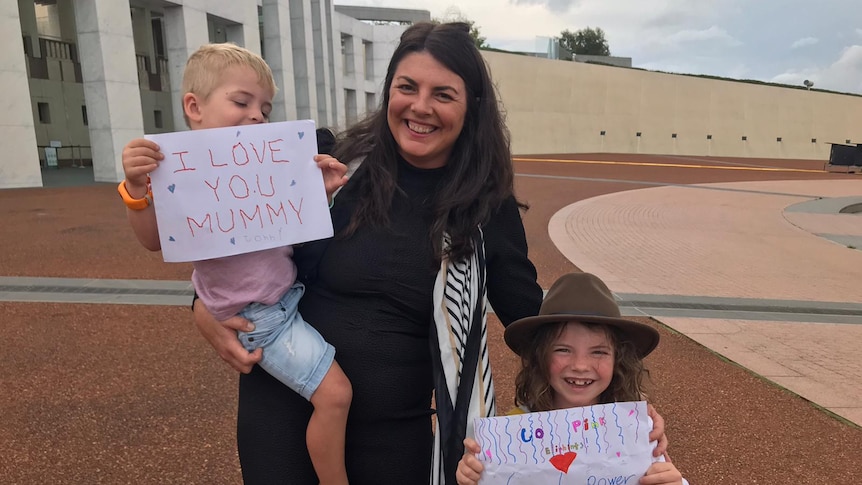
[562, 107]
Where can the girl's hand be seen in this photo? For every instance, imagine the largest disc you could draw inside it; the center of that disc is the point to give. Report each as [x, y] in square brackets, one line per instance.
[222, 337]
[661, 473]
[469, 468]
[657, 434]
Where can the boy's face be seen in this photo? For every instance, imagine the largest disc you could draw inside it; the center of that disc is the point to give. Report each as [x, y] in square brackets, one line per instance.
[581, 365]
[239, 99]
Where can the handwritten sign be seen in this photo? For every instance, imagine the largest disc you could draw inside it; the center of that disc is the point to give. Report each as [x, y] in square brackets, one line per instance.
[235, 190]
[605, 444]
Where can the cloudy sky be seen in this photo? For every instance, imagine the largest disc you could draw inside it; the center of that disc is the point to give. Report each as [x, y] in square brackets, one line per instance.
[784, 41]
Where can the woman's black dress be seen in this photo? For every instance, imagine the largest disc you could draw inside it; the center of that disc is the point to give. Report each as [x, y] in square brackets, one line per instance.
[370, 296]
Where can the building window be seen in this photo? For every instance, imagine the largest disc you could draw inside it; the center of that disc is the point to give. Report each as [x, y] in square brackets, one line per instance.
[778, 139]
[369, 60]
[709, 137]
[84, 115]
[44, 113]
[370, 103]
[814, 140]
[673, 135]
[350, 106]
[744, 138]
[347, 57]
[157, 118]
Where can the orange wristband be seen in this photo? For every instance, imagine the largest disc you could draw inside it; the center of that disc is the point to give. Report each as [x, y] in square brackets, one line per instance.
[132, 203]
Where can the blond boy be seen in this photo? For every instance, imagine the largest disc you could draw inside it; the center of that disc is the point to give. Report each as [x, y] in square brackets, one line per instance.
[226, 85]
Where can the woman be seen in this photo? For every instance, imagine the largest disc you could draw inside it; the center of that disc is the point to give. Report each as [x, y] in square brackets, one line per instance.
[427, 226]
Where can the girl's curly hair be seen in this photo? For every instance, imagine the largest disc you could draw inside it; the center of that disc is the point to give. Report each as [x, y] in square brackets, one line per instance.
[532, 386]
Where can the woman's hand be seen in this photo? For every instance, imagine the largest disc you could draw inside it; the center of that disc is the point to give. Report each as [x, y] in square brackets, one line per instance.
[657, 434]
[222, 337]
[469, 468]
[334, 173]
[661, 473]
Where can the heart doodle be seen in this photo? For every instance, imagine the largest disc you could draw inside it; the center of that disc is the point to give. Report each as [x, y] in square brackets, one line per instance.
[292, 183]
[564, 461]
[301, 134]
[172, 187]
[237, 132]
[233, 241]
[171, 238]
[618, 454]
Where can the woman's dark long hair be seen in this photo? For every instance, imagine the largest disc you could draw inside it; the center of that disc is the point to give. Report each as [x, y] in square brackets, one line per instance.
[479, 174]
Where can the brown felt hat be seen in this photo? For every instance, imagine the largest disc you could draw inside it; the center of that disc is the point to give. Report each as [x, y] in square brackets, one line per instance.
[581, 297]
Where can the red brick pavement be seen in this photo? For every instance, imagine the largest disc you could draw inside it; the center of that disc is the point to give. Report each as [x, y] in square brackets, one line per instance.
[131, 394]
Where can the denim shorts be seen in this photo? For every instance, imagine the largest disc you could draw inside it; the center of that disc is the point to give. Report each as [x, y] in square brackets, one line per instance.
[293, 351]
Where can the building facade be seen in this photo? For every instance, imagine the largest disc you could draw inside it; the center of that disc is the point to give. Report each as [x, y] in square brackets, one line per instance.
[93, 74]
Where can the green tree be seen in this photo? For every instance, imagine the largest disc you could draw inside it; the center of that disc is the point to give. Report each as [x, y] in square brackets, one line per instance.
[453, 14]
[585, 42]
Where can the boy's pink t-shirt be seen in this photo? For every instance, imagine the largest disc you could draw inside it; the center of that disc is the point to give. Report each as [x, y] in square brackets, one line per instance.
[227, 285]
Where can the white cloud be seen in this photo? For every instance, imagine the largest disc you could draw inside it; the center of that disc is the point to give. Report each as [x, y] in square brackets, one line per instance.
[805, 41]
[845, 74]
[696, 37]
[713, 33]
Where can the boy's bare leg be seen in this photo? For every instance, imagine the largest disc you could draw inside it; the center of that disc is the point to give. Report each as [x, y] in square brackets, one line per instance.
[326, 428]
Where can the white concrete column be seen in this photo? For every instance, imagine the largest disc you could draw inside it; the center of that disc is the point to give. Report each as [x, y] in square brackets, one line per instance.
[110, 82]
[185, 32]
[334, 83]
[19, 165]
[302, 43]
[322, 43]
[279, 56]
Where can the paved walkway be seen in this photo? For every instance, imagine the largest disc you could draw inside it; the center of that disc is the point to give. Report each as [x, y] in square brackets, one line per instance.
[763, 273]
[759, 272]
[776, 244]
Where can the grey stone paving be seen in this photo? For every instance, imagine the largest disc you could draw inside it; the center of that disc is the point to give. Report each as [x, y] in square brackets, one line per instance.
[179, 293]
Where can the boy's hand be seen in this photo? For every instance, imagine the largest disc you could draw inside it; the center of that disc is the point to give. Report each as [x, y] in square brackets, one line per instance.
[469, 468]
[334, 173]
[140, 157]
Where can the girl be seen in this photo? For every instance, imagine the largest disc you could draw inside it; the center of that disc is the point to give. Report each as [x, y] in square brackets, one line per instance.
[577, 352]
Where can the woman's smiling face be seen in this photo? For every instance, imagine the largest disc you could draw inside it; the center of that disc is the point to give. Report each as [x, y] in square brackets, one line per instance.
[427, 107]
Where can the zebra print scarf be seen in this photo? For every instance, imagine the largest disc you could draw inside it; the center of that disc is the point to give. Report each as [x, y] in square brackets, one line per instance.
[463, 387]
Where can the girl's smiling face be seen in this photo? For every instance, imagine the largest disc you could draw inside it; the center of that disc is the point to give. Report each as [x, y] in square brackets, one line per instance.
[581, 365]
[426, 111]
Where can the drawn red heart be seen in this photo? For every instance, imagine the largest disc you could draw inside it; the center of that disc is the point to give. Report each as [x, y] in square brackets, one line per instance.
[564, 461]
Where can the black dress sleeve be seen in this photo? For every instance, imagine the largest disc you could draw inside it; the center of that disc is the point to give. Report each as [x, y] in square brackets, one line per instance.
[513, 291]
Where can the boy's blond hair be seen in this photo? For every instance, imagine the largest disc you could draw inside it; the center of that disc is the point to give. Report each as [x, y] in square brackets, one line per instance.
[206, 65]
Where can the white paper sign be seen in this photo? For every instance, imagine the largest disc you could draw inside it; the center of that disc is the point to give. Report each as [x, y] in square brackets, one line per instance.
[605, 444]
[235, 190]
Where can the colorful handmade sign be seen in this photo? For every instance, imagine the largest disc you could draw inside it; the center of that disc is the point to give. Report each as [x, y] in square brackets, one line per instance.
[605, 444]
[227, 191]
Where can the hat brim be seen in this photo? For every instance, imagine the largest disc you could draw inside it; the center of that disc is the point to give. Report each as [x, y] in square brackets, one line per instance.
[519, 334]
